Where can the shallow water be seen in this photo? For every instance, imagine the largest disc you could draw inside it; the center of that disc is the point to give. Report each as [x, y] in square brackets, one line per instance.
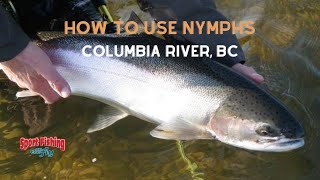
[285, 49]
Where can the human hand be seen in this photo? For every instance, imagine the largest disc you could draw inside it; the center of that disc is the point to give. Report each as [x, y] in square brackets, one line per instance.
[33, 70]
[248, 72]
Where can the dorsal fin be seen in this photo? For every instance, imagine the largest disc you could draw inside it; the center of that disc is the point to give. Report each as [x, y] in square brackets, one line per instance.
[134, 17]
[49, 35]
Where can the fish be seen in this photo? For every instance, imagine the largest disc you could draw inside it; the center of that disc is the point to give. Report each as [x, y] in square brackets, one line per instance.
[186, 98]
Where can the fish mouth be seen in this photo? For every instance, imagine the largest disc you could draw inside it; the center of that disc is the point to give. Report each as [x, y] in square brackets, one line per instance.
[286, 144]
[279, 145]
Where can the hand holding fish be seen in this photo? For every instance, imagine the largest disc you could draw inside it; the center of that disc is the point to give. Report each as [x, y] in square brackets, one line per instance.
[32, 69]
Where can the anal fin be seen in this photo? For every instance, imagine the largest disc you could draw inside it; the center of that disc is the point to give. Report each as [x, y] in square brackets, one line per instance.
[180, 130]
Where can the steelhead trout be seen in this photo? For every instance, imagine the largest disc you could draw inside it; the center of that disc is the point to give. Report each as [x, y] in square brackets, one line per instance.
[188, 98]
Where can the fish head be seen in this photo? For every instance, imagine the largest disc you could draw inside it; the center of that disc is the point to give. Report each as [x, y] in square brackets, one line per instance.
[256, 121]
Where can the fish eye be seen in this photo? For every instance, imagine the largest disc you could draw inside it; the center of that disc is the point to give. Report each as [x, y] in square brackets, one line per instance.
[265, 130]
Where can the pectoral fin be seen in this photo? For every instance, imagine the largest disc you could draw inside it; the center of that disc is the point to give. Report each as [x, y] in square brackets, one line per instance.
[180, 130]
[109, 116]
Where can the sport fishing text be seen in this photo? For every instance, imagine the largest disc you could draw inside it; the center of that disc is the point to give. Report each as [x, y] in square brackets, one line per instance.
[195, 51]
[26, 143]
[162, 27]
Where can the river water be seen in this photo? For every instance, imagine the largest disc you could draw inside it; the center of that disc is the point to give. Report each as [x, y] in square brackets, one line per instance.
[285, 49]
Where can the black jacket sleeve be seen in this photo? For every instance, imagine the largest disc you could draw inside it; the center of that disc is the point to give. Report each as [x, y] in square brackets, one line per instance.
[12, 39]
[195, 10]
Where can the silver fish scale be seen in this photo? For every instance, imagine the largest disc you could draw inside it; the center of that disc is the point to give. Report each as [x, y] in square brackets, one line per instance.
[199, 84]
